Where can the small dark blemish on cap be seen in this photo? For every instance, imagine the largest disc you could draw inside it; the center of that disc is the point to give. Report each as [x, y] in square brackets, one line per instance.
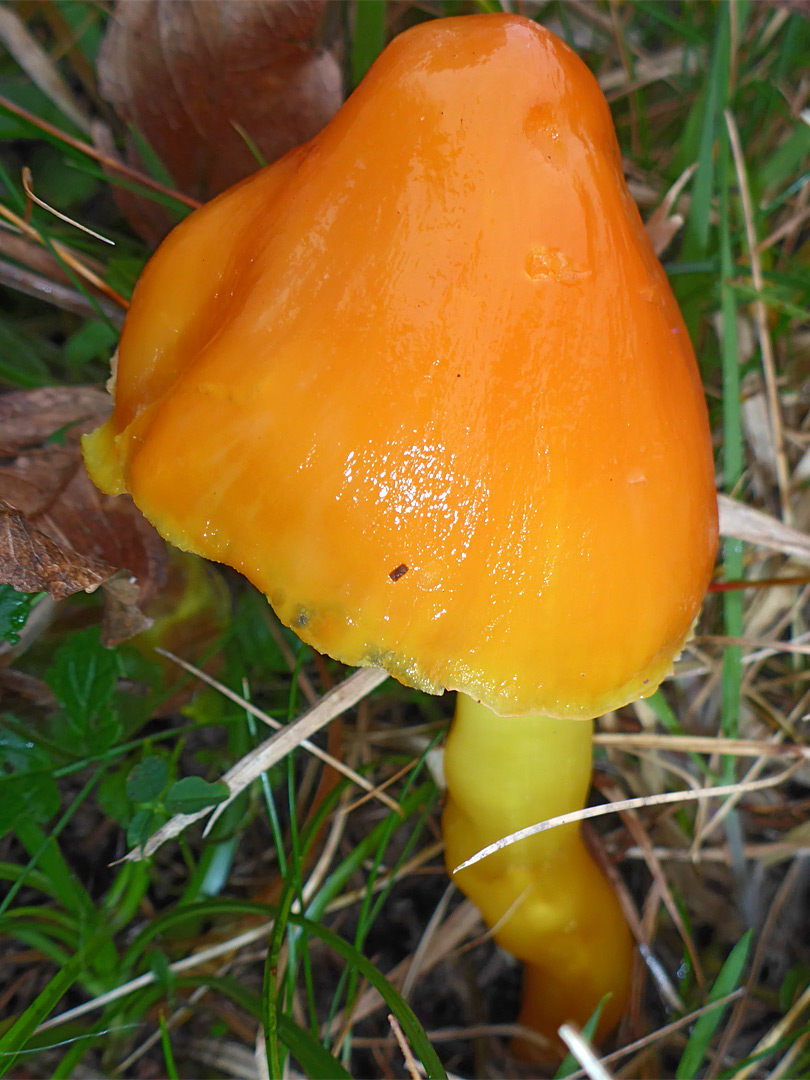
[301, 619]
[398, 572]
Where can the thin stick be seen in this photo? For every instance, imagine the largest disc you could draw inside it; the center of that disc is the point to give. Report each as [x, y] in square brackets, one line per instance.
[28, 188]
[245, 771]
[583, 1052]
[248, 706]
[40, 67]
[756, 643]
[64, 253]
[103, 159]
[338, 700]
[661, 1033]
[642, 839]
[407, 1053]
[776, 852]
[777, 1032]
[699, 744]
[628, 804]
[415, 965]
[54, 292]
[709, 826]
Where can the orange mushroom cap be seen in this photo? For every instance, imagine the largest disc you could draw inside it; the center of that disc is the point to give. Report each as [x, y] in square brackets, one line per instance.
[423, 381]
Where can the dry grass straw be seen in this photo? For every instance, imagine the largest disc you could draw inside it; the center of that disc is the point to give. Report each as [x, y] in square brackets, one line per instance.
[274, 749]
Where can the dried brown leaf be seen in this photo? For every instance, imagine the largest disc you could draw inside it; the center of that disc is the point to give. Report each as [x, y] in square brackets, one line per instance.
[30, 419]
[192, 75]
[58, 533]
[664, 224]
[662, 228]
[756, 527]
[122, 617]
[25, 690]
[31, 562]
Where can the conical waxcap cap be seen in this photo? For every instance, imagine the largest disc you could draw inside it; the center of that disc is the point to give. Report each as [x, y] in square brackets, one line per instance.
[423, 381]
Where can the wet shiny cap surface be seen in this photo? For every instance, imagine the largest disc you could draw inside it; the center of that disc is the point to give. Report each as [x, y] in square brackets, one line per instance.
[424, 383]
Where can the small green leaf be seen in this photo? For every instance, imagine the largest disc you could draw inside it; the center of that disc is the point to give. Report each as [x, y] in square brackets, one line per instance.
[113, 799]
[192, 794]
[93, 341]
[142, 826]
[14, 609]
[147, 780]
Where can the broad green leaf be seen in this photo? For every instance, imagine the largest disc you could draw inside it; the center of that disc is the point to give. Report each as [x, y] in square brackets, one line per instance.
[83, 678]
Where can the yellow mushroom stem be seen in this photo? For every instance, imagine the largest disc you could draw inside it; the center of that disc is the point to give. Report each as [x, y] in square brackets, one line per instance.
[554, 908]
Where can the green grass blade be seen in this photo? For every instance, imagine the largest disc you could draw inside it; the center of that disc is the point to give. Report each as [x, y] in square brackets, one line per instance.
[733, 459]
[411, 1027]
[16, 1038]
[706, 1025]
[67, 1068]
[369, 36]
[315, 1060]
[570, 1064]
[696, 236]
[166, 1047]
